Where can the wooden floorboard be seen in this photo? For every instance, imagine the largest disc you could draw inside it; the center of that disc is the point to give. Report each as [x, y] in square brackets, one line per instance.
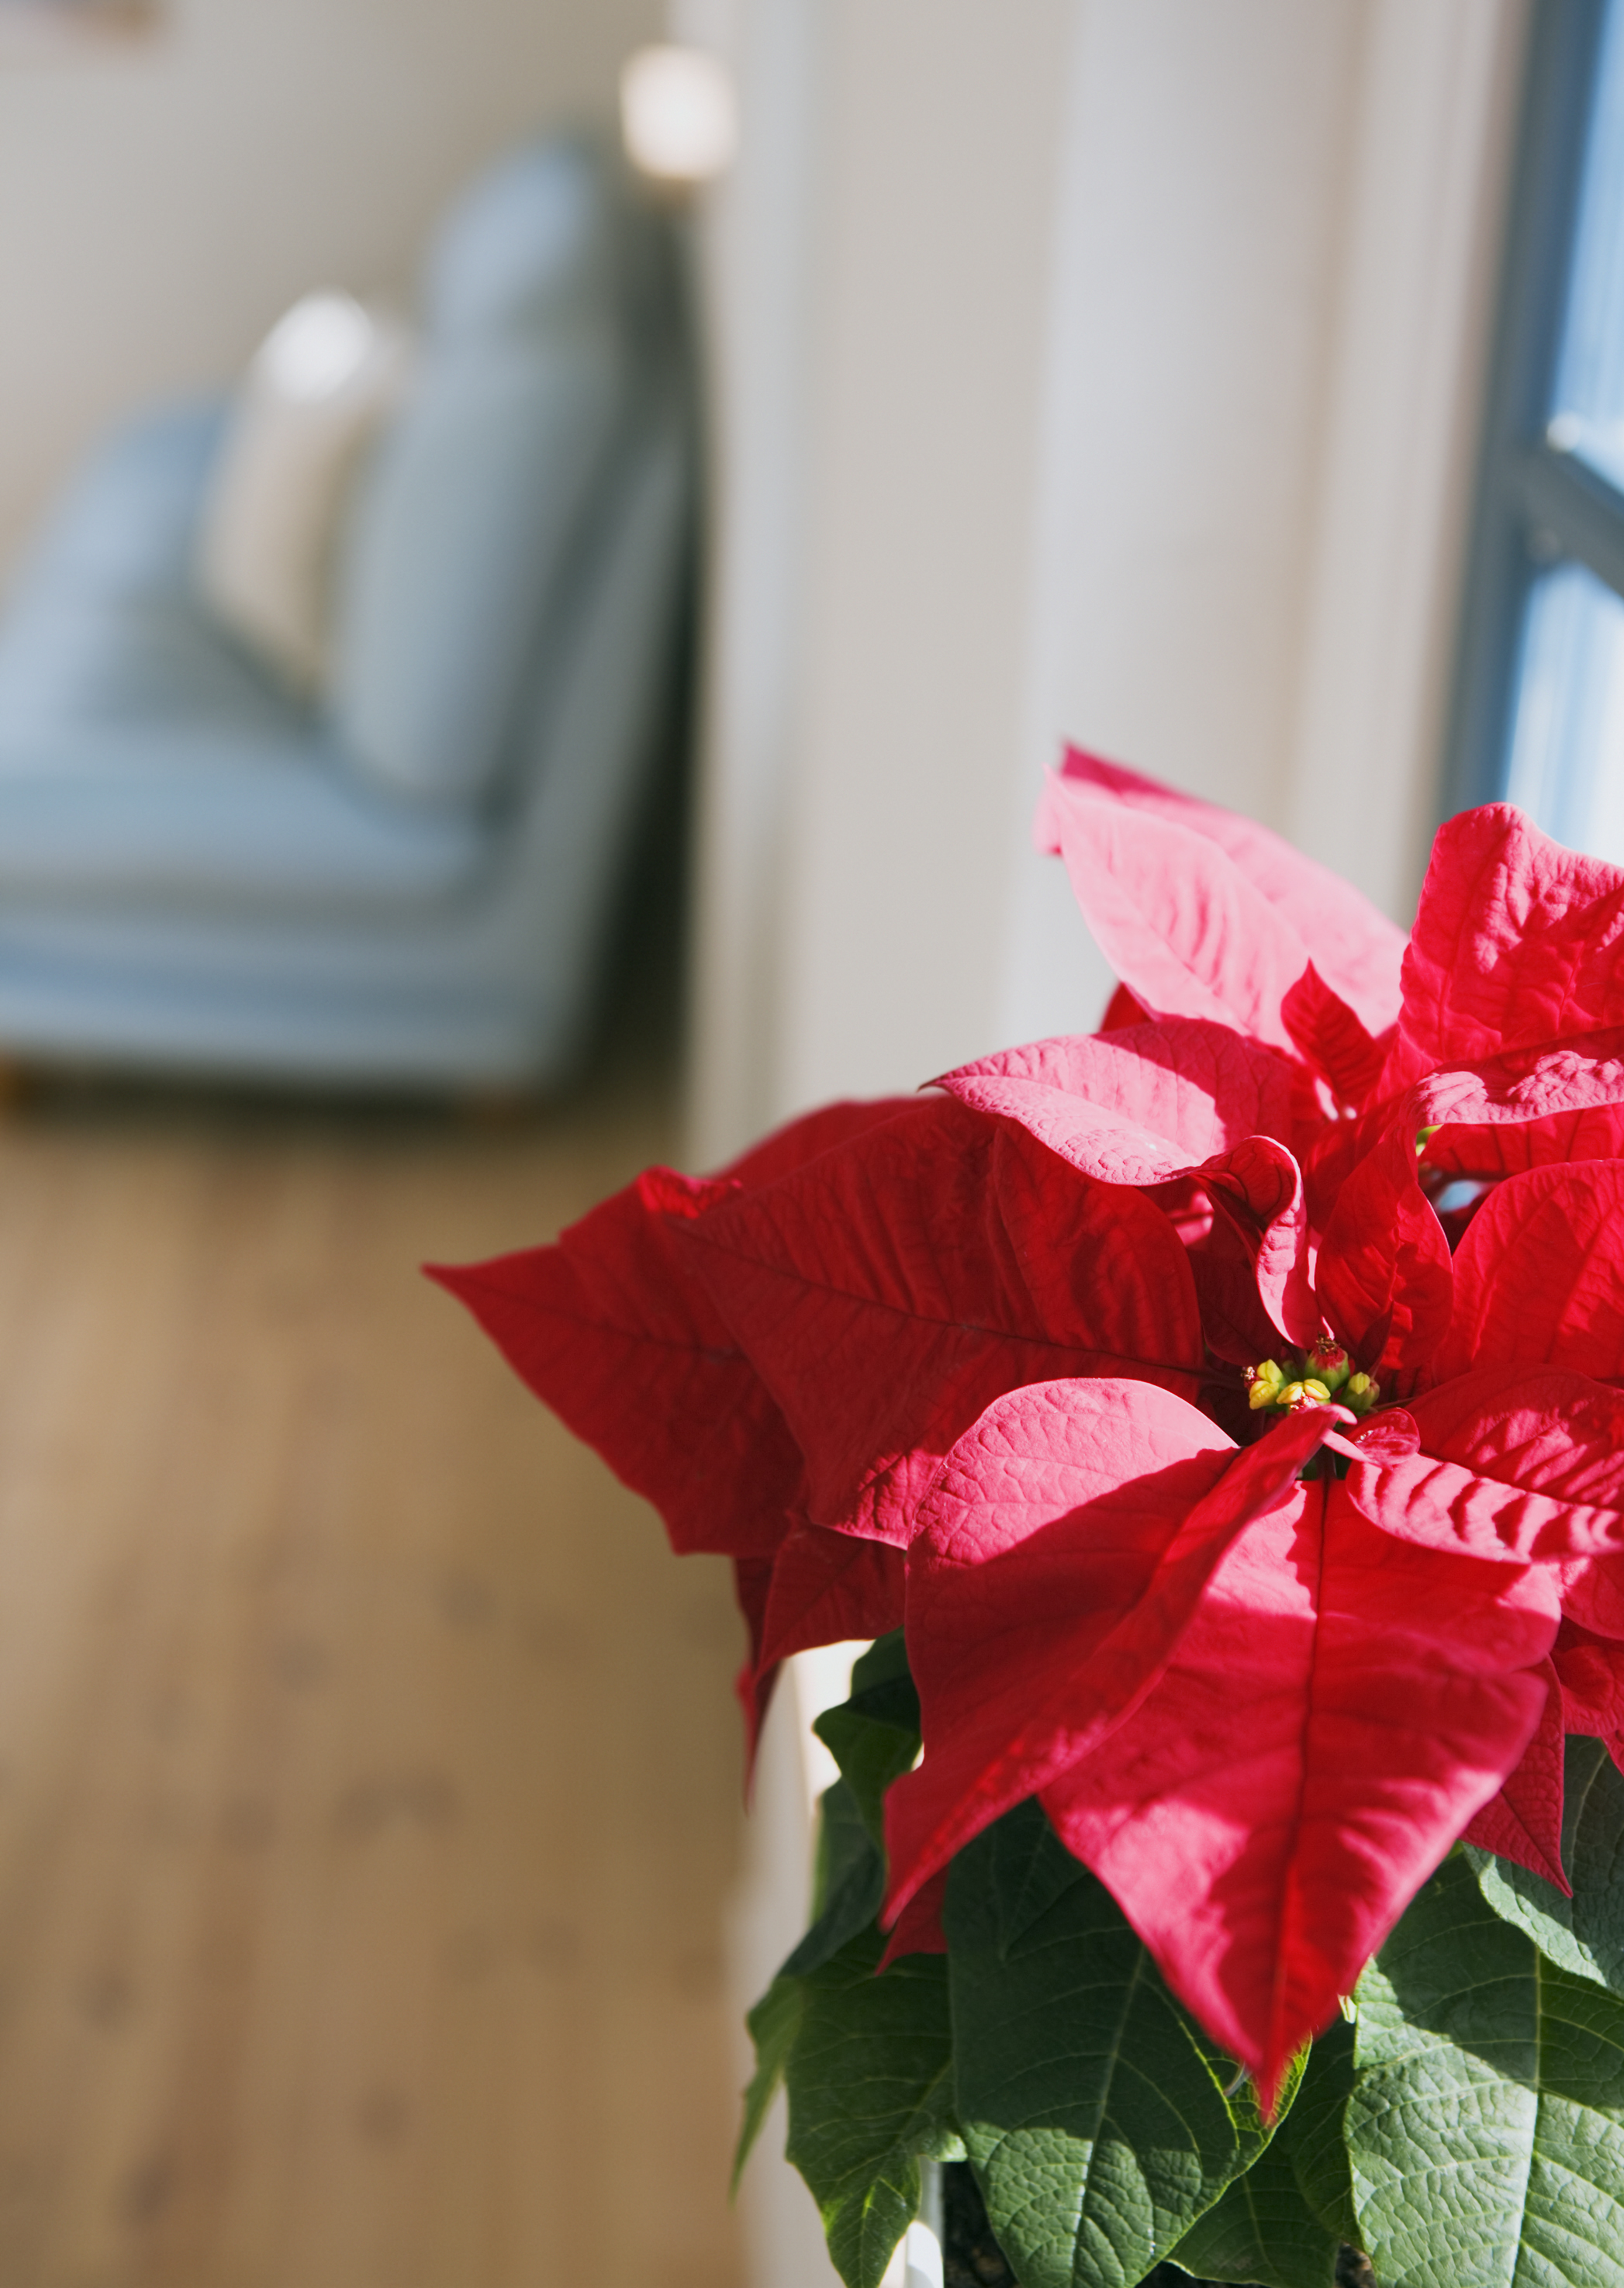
[368, 1768]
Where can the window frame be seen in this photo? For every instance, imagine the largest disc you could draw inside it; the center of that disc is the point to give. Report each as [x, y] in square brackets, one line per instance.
[1536, 505]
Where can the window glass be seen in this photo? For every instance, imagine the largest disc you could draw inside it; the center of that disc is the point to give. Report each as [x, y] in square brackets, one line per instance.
[1567, 740]
[1588, 399]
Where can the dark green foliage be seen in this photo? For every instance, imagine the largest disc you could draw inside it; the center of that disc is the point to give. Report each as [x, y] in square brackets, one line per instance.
[1093, 2109]
[1261, 2229]
[1584, 1933]
[1313, 2135]
[774, 2024]
[1280, 2223]
[867, 2059]
[867, 2064]
[870, 2083]
[851, 1882]
[1470, 2133]
[874, 1737]
[1487, 2123]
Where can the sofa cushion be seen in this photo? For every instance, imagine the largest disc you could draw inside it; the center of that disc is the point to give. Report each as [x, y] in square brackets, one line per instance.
[536, 237]
[460, 542]
[319, 388]
[142, 753]
[126, 522]
[197, 822]
[82, 661]
[102, 631]
[462, 536]
[202, 822]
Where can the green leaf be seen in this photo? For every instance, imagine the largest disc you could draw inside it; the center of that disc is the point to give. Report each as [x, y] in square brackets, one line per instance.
[1092, 2107]
[1486, 2128]
[850, 1885]
[1261, 2230]
[1312, 2135]
[1280, 2223]
[885, 1660]
[1584, 1933]
[844, 1847]
[774, 2024]
[1031, 1870]
[874, 1737]
[870, 2082]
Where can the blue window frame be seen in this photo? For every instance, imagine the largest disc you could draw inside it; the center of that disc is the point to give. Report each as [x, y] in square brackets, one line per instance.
[1540, 704]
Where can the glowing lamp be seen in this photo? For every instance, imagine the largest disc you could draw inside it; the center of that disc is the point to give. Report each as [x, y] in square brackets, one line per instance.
[679, 115]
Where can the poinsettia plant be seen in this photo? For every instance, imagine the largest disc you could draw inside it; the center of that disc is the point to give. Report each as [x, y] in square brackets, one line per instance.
[1217, 1425]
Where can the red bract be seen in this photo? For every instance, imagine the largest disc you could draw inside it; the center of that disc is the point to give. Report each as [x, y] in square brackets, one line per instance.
[886, 1291]
[1516, 941]
[1258, 1717]
[1309, 913]
[612, 1331]
[1590, 1671]
[1523, 1822]
[1204, 915]
[1537, 1275]
[1522, 1461]
[1105, 1504]
[792, 1347]
[1153, 1104]
[1335, 1717]
[1506, 1044]
[995, 1335]
[1385, 1272]
[611, 1328]
[1140, 1103]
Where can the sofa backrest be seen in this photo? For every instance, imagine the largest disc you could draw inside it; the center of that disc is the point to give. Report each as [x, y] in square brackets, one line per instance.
[466, 523]
[539, 236]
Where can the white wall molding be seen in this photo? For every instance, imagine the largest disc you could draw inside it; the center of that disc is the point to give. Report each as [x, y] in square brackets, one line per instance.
[1200, 211]
[755, 247]
[1196, 284]
[943, 127]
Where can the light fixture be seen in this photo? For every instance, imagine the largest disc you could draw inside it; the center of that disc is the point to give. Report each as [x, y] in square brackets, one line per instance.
[679, 115]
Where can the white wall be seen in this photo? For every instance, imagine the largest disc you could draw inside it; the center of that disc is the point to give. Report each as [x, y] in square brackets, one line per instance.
[1192, 292]
[1100, 367]
[1271, 303]
[1136, 356]
[932, 279]
[163, 197]
[1415, 284]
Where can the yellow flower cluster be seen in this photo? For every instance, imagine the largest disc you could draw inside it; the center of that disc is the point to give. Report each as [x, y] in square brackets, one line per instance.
[1311, 1377]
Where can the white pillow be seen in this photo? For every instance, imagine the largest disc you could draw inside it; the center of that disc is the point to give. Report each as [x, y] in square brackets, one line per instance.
[324, 381]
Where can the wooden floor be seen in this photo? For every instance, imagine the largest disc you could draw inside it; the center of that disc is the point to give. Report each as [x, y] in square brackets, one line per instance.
[368, 1770]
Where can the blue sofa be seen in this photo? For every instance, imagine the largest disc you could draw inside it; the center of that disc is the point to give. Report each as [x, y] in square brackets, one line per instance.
[414, 884]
